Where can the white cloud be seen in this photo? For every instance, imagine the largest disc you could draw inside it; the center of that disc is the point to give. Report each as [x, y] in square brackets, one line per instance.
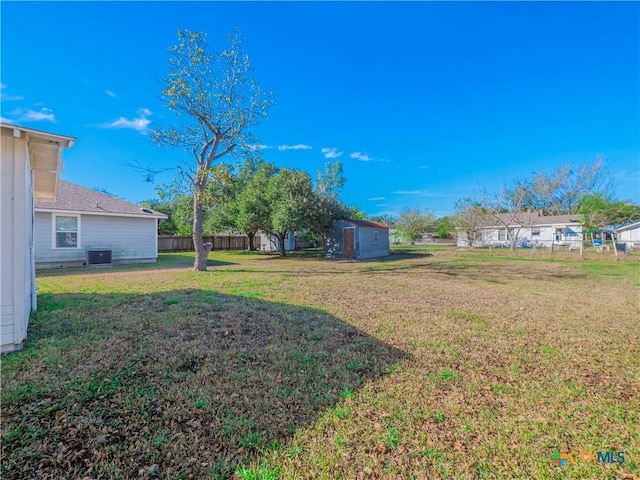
[422, 167]
[10, 98]
[407, 192]
[299, 146]
[6, 120]
[111, 93]
[259, 146]
[139, 124]
[363, 157]
[331, 152]
[382, 205]
[21, 115]
[424, 193]
[5, 97]
[376, 198]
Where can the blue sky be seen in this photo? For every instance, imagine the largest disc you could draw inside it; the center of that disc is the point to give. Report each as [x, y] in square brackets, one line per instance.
[422, 102]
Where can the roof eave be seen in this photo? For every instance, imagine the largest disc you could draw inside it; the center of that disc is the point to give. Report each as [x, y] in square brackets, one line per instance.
[45, 154]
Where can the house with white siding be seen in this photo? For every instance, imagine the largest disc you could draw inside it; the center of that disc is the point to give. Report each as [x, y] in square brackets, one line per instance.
[86, 227]
[630, 235]
[528, 229]
[357, 239]
[30, 165]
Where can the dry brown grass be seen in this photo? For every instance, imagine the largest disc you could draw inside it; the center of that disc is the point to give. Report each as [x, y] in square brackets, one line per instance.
[449, 365]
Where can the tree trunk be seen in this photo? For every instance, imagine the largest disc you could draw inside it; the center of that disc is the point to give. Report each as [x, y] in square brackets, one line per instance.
[251, 236]
[281, 235]
[202, 250]
[512, 240]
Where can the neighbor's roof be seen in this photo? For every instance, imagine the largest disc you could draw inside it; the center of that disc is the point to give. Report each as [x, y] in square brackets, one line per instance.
[367, 223]
[77, 199]
[629, 227]
[531, 219]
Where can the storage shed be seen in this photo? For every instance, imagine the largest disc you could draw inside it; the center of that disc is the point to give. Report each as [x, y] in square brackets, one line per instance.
[357, 239]
[271, 243]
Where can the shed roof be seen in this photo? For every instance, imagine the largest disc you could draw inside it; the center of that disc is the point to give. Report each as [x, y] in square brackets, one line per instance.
[75, 198]
[367, 223]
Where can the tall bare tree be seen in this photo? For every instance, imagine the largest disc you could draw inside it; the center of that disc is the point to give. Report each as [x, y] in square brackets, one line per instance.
[215, 100]
[560, 192]
[507, 209]
[469, 221]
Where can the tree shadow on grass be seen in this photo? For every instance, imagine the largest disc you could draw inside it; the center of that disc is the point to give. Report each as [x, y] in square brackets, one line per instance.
[188, 383]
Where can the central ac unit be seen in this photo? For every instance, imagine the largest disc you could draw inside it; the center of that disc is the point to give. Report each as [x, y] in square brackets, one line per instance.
[98, 257]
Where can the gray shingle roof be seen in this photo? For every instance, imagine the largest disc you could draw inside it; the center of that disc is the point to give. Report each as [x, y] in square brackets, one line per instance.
[75, 198]
[531, 219]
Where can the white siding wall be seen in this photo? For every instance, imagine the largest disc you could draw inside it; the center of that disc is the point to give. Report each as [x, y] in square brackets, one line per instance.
[631, 235]
[15, 259]
[129, 238]
[270, 243]
[490, 236]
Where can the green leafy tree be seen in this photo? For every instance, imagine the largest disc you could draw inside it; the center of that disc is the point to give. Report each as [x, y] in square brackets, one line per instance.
[444, 227]
[599, 211]
[331, 180]
[179, 211]
[412, 223]
[215, 100]
[354, 213]
[250, 210]
[291, 198]
[620, 213]
[327, 207]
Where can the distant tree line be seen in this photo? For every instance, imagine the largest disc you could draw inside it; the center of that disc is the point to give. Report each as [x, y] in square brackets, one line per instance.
[412, 223]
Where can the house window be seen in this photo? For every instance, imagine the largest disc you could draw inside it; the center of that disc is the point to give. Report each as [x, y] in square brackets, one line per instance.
[376, 237]
[535, 232]
[502, 234]
[66, 231]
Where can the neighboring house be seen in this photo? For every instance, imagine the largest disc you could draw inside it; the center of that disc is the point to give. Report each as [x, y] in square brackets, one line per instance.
[271, 243]
[529, 229]
[87, 227]
[30, 165]
[630, 235]
[357, 239]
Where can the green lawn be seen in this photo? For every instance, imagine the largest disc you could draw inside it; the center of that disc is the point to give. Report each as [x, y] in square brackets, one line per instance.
[432, 363]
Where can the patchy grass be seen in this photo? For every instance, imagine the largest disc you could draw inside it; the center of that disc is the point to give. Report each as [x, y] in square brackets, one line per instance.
[448, 364]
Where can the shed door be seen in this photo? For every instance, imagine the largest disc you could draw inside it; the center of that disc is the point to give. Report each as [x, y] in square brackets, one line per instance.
[348, 236]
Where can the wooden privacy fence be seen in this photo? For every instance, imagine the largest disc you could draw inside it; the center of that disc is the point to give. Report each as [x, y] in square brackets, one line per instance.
[300, 244]
[184, 243]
